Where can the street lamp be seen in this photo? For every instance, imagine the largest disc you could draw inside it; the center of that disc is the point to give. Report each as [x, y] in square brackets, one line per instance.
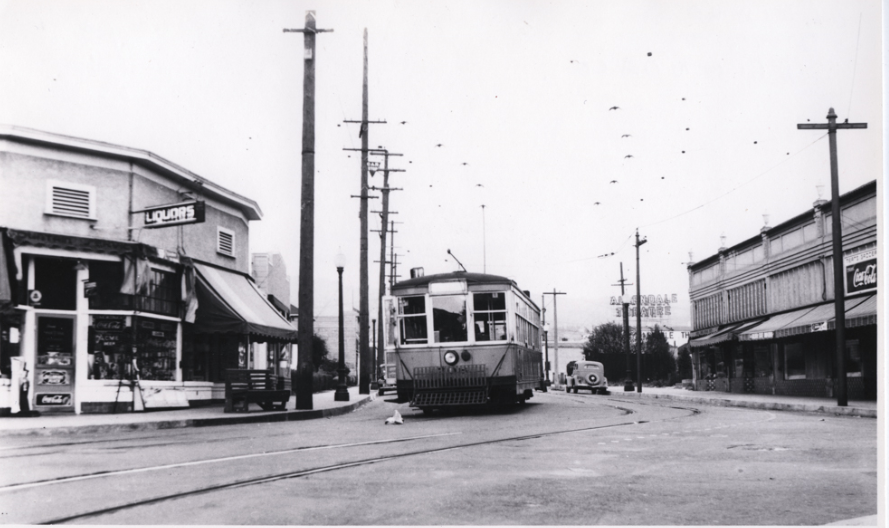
[342, 392]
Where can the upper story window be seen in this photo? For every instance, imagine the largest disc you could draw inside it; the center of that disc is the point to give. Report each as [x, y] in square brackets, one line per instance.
[70, 199]
[225, 241]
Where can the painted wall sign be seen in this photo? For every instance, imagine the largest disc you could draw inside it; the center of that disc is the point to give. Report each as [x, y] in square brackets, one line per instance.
[175, 214]
[55, 399]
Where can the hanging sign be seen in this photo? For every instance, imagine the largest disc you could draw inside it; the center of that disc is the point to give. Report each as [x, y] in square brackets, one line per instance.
[861, 270]
[175, 214]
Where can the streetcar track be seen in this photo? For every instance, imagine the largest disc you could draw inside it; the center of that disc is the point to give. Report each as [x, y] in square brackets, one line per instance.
[313, 471]
[110, 473]
[322, 469]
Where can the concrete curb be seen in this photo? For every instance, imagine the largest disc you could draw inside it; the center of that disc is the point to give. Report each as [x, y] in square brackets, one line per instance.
[761, 405]
[265, 417]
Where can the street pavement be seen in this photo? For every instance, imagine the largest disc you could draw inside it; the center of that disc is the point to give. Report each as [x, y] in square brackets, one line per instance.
[324, 406]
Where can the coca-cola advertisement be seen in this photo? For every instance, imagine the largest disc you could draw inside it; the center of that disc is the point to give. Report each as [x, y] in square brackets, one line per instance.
[861, 270]
[57, 399]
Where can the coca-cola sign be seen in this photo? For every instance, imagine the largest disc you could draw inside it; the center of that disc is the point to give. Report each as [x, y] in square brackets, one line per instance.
[861, 276]
[57, 399]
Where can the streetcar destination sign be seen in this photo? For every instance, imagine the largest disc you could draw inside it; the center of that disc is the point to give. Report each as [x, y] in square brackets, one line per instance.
[175, 214]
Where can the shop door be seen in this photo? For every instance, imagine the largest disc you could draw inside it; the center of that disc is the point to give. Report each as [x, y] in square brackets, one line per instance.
[54, 372]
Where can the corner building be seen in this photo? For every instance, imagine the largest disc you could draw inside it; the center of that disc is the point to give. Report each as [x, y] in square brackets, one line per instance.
[763, 310]
[101, 312]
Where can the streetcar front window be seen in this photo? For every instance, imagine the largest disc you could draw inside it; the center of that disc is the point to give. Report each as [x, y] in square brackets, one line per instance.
[449, 318]
[413, 320]
[489, 313]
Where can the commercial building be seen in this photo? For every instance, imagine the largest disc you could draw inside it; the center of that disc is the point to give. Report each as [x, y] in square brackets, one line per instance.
[123, 279]
[763, 310]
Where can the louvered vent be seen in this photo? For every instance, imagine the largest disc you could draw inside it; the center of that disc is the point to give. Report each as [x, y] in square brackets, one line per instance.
[226, 243]
[70, 202]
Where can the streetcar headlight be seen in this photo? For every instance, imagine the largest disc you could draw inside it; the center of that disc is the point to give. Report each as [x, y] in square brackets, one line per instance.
[465, 355]
[450, 357]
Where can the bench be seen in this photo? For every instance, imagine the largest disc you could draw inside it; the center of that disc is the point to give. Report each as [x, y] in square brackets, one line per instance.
[243, 387]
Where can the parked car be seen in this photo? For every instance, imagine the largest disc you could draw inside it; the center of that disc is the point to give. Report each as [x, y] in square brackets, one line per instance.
[586, 375]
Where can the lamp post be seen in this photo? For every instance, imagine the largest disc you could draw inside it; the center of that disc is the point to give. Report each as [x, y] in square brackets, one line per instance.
[342, 392]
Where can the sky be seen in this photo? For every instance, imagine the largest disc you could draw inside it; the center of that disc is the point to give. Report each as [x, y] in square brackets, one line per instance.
[573, 123]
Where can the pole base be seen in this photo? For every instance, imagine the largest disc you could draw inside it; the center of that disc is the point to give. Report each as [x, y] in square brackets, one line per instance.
[341, 394]
[628, 386]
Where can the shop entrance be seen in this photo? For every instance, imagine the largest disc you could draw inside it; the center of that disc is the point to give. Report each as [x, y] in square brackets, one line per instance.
[54, 371]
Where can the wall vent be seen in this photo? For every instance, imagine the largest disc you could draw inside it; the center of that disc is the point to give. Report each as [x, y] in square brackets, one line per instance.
[225, 242]
[68, 199]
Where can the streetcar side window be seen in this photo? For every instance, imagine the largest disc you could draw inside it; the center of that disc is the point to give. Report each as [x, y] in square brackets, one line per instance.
[449, 318]
[412, 312]
[489, 313]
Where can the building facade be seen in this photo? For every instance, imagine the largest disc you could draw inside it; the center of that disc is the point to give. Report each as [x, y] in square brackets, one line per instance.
[763, 311]
[123, 279]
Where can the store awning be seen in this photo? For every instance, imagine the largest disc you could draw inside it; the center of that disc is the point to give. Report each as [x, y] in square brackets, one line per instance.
[230, 303]
[718, 336]
[859, 311]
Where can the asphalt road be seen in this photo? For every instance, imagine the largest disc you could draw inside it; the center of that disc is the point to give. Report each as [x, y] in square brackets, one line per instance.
[560, 459]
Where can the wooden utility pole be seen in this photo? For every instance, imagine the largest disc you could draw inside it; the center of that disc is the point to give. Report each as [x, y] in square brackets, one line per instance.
[555, 335]
[545, 337]
[384, 216]
[305, 325]
[393, 258]
[836, 221]
[625, 307]
[638, 317]
[364, 301]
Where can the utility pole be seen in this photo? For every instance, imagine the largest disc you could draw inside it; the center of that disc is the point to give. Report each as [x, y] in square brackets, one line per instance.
[838, 267]
[556, 335]
[305, 325]
[384, 216]
[364, 303]
[625, 306]
[484, 243]
[545, 340]
[393, 258]
[638, 318]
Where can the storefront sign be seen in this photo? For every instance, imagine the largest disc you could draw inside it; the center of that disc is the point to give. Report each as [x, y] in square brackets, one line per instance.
[53, 377]
[55, 358]
[861, 269]
[57, 399]
[176, 214]
[110, 322]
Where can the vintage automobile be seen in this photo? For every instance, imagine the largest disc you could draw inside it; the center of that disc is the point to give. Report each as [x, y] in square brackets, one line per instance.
[586, 375]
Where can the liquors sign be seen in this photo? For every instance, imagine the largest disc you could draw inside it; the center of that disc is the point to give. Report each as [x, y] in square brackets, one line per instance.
[175, 214]
[861, 270]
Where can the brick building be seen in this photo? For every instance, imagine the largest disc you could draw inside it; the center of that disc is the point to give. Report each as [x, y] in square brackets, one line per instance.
[763, 311]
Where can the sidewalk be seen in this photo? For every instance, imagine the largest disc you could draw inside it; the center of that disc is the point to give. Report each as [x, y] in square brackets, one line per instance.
[67, 424]
[863, 409]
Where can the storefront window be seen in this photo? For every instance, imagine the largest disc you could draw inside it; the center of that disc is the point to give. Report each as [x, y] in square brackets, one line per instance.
[449, 318]
[109, 350]
[156, 345]
[412, 311]
[489, 313]
[761, 361]
[720, 369]
[794, 361]
[853, 361]
[163, 294]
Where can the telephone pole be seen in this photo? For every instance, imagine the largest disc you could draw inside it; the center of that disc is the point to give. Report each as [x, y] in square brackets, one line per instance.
[305, 325]
[364, 302]
[545, 340]
[836, 221]
[638, 318]
[625, 306]
[556, 334]
[384, 217]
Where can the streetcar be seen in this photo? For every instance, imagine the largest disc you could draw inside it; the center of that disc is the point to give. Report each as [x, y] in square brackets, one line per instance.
[462, 339]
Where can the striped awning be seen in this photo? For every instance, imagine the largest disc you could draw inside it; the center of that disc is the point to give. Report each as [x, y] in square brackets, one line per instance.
[859, 312]
[725, 334]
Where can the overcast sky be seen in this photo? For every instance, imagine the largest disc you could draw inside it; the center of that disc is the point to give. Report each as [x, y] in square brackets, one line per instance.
[518, 94]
